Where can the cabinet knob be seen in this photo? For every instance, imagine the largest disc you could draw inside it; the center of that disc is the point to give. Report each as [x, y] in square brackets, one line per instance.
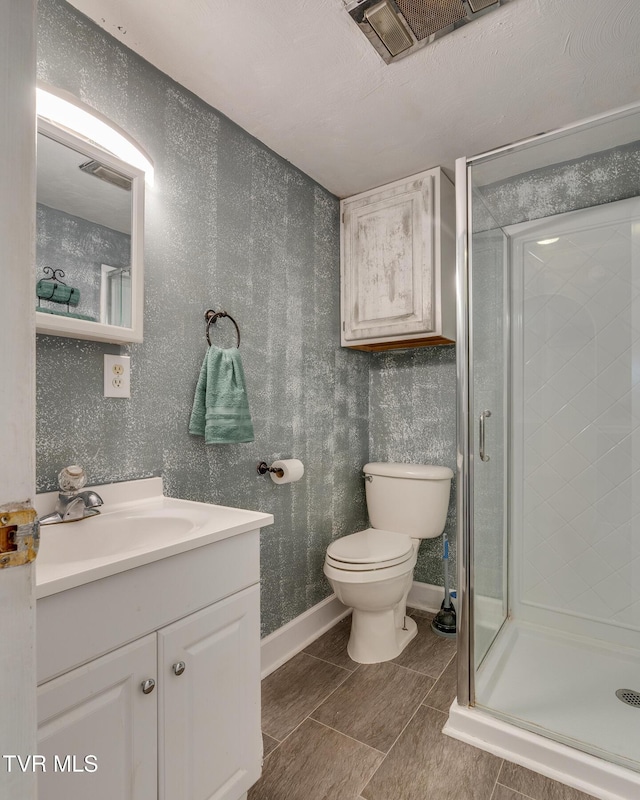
[179, 667]
[148, 686]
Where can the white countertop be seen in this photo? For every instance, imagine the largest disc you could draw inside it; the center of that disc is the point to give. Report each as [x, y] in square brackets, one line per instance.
[137, 525]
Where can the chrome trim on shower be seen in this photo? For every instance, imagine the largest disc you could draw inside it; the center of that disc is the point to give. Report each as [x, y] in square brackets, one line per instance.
[554, 133]
[466, 688]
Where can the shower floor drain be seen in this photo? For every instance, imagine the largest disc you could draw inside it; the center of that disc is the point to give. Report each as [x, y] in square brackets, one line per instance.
[629, 696]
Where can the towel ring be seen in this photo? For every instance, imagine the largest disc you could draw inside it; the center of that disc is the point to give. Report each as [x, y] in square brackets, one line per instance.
[212, 317]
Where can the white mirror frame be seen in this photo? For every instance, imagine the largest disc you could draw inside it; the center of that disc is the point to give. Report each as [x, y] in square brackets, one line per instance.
[53, 325]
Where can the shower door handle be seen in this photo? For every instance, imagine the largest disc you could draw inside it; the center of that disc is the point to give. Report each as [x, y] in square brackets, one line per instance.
[483, 417]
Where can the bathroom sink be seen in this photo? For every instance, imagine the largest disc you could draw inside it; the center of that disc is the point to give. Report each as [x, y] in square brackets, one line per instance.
[137, 525]
[108, 535]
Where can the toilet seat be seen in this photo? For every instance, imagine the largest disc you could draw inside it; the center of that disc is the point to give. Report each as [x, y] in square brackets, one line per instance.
[376, 576]
[371, 549]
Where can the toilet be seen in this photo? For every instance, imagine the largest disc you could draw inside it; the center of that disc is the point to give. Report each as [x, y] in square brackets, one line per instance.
[372, 570]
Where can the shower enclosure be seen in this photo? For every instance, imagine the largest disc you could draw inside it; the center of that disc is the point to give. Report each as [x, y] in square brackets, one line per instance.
[549, 453]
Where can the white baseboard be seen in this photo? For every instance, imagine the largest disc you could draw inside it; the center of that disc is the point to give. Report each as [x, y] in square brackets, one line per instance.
[426, 597]
[281, 645]
[582, 771]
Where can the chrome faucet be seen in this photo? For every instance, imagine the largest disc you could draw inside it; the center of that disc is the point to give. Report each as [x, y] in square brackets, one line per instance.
[72, 504]
[72, 507]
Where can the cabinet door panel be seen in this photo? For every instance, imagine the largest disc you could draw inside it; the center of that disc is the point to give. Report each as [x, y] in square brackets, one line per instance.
[388, 262]
[211, 745]
[99, 709]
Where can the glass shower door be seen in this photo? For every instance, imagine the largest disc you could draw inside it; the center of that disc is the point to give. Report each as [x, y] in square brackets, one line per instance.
[483, 422]
[488, 354]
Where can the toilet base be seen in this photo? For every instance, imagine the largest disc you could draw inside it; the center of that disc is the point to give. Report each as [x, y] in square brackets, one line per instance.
[375, 637]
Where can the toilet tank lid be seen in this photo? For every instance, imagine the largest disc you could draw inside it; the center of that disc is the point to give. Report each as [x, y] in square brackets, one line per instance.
[419, 472]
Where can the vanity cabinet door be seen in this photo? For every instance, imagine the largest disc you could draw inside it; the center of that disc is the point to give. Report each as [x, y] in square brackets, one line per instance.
[209, 667]
[100, 710]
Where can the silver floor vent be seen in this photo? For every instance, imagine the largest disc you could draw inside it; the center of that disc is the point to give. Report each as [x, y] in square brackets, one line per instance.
[629, 696]
[397, 28]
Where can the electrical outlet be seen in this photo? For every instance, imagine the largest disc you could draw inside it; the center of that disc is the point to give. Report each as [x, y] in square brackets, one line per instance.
[117, 373]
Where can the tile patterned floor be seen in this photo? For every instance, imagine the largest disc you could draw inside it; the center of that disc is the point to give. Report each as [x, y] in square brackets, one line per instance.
[337, 730]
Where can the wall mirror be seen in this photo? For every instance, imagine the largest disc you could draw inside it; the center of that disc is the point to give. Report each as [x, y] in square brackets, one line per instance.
[89, 239]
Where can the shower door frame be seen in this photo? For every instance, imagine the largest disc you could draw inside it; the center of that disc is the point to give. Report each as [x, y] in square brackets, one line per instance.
[466, 436]
[464, 509]
[466, 695]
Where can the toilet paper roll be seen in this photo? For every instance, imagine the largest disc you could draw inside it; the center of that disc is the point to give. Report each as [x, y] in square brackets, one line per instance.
[292, 468]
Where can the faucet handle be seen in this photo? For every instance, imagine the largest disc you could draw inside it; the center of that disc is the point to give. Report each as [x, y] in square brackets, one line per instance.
[72, 478]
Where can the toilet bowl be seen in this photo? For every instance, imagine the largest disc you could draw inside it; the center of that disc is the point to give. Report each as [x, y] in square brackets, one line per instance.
[372, 570]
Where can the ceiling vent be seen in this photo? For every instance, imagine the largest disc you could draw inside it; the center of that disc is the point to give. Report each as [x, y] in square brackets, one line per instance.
[107, 174]
[399, 27]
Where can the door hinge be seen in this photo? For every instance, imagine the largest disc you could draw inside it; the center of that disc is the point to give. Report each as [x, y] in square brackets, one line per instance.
[19, 535]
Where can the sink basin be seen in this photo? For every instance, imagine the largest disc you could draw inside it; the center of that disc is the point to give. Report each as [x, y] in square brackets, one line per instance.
[137, 525]
[117, 533]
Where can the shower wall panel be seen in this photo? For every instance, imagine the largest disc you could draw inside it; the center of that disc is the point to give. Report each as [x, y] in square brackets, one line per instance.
[579, 408]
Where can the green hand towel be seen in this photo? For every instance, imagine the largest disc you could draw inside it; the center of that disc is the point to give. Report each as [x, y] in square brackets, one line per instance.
[57, 292]
[220, 406]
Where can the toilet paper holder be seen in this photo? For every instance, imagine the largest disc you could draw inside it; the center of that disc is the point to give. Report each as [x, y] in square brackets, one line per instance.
[263, 468]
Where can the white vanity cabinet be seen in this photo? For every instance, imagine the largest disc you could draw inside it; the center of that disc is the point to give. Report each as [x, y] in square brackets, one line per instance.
[99, 710]
[189, 623]
[398, 264]
[209, 683]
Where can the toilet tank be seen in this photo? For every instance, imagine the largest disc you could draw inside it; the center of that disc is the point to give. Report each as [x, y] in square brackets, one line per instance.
[408, 498]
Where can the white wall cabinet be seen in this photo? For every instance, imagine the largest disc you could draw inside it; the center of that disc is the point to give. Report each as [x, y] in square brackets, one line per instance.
[196, 735]
[398, 264]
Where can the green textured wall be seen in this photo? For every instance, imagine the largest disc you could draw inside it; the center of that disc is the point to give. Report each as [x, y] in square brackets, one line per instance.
[229, 224]
[413, 419]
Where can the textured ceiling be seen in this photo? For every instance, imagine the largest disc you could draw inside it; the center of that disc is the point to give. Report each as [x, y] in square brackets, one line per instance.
[302, 78]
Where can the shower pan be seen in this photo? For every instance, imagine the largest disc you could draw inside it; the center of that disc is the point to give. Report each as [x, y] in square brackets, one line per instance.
[549, 454]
